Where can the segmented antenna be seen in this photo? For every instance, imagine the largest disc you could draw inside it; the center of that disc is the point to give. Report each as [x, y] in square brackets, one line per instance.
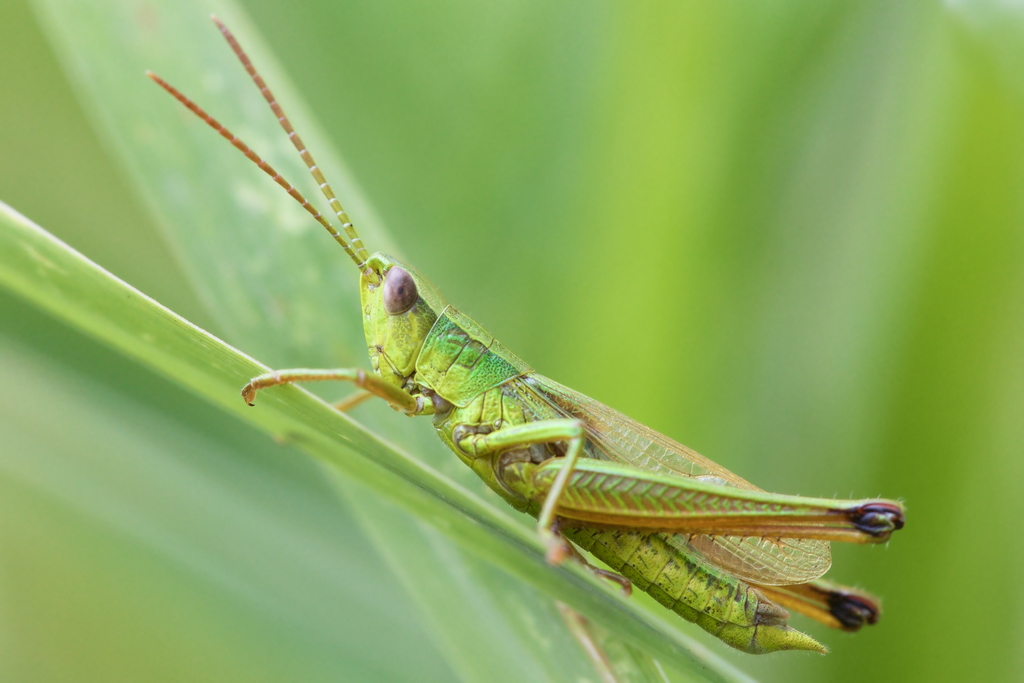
[346, 223]
[353, 246]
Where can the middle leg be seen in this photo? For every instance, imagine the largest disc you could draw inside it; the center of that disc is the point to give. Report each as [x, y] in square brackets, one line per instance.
[540, 432]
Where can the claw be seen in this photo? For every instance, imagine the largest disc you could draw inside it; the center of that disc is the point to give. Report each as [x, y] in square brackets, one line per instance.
[625, 584]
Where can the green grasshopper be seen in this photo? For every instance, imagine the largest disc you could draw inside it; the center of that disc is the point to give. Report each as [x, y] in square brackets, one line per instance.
[700, 540]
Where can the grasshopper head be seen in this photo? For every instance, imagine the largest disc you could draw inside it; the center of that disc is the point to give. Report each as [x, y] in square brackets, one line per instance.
[399, 308]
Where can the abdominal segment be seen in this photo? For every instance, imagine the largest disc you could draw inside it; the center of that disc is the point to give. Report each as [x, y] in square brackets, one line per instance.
[720, 604]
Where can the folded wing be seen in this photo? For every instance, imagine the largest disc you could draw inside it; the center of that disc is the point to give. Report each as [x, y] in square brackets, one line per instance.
[616, 437]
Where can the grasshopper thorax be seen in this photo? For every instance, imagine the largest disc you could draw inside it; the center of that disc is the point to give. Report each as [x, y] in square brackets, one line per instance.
[400, 307]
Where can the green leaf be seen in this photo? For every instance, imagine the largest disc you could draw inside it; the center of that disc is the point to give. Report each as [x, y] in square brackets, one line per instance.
[54, 277]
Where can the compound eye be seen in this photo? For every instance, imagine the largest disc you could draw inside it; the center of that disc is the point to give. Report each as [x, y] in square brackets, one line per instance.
[399, 291]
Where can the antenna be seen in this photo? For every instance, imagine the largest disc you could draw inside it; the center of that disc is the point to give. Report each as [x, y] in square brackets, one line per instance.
[354, 246]
[346, 223]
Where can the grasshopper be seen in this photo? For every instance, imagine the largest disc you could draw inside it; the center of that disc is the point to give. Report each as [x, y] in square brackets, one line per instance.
[700, 540]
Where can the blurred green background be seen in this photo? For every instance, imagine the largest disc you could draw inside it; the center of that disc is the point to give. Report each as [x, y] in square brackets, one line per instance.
[788, 234]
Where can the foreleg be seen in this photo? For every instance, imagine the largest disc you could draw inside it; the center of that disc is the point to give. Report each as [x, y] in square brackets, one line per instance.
[367, 381]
